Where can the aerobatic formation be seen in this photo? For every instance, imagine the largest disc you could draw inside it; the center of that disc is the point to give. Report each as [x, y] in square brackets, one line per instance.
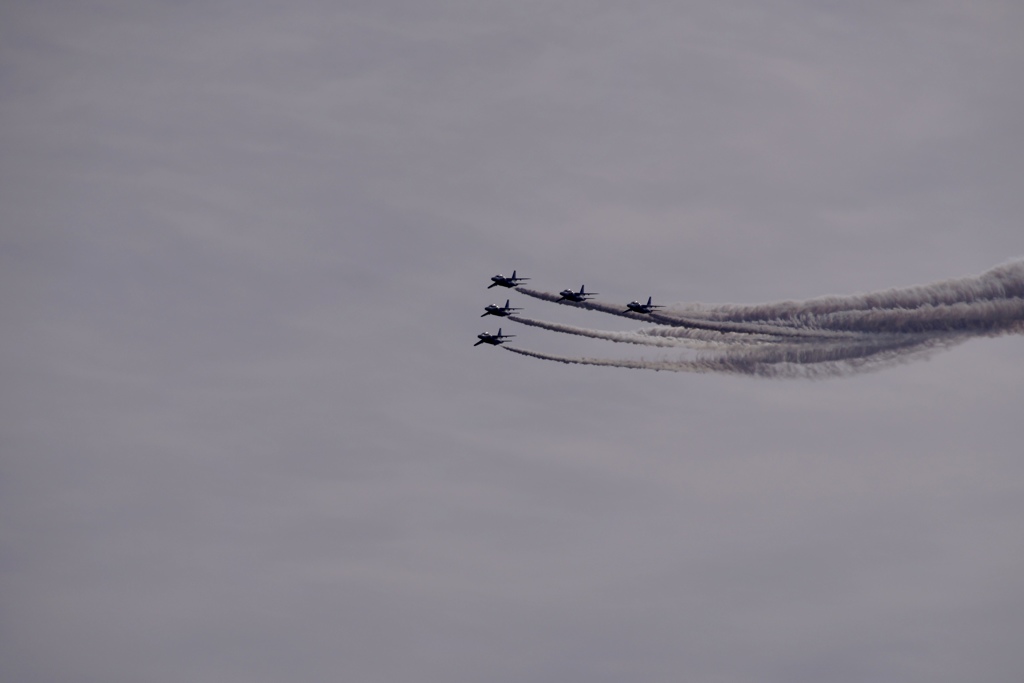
[828, 336]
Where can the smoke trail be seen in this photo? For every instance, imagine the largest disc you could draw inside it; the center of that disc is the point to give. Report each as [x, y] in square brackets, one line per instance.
[796, 361]
[642, 337]
[775, 328]
[992, 301]
[696, 323]
[1003, 283]
[673, 337]
[671, 366]
[815, 338]
[980, 317]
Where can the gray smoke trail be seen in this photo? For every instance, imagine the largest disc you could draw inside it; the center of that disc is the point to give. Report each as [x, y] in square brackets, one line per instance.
[980, 317]
[990, 302]
[642, 337]
[672, 366]
[820, 337]
[696, 323]
[774, 328]
[1004, 283]
[712, 337]
[673, 337]
[791, 361]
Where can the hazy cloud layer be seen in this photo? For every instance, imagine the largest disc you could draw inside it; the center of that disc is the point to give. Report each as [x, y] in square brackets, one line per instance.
[246, 436]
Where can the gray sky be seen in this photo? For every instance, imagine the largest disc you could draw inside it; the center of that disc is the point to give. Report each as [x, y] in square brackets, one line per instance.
[246, 437]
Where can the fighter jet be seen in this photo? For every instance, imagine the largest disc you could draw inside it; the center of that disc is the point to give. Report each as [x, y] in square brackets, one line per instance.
[500, 280]
[638, 307]
[492, 339]
[576, 297]
[500, 311]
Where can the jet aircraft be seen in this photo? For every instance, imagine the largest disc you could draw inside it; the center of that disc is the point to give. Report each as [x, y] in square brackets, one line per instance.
[576, 297]
[638, 307]
[500, 311]
[492, 339]
[500, 280]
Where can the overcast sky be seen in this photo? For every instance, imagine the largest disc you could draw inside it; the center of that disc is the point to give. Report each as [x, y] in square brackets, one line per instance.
[246, 437]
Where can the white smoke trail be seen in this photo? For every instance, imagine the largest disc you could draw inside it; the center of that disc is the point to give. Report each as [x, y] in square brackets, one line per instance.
[642, 337]
[1003, 283]
[990, 302]
[671, 366]
[819, 337]
[775, 328]
[696, 323]
[717, 339]
[790, 361]
[981, 317]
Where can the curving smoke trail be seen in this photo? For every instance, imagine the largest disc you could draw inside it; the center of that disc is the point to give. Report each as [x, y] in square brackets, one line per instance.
[642, 337]
[1001, 284]
[819, 337]
[692, 320]
[674, 366]
[793, 362]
